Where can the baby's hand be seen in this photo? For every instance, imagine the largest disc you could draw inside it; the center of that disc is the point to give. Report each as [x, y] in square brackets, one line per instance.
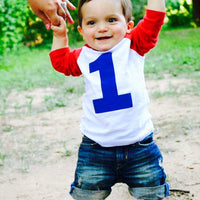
[60, 30]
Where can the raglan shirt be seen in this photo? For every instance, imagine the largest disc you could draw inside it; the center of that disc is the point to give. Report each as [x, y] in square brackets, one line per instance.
[115, 102]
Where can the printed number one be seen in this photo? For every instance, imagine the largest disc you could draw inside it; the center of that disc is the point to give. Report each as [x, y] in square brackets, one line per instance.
[111, 101]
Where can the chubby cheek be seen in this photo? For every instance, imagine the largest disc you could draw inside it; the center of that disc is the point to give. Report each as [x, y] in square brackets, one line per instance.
[121, 31]
[87, 33]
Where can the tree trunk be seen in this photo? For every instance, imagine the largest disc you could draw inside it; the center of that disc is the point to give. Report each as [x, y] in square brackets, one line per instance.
[196, 11]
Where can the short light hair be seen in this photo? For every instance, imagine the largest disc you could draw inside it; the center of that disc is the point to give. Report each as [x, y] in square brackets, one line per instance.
[126, 9]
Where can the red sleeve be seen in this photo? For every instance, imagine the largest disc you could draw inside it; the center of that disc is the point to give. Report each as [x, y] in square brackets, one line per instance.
[65, 61]
[145, 35]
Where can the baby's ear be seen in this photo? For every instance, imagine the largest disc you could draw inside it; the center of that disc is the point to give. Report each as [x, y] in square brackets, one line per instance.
[79, 29]
[130, 26]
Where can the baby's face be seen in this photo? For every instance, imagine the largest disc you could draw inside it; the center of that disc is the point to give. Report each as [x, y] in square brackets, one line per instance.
[103, 24]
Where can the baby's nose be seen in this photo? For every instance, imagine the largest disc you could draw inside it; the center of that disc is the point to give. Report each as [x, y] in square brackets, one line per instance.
[102, 27]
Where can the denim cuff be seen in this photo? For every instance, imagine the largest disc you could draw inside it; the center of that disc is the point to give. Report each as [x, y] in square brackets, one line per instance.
[150, 193]
[78, 193]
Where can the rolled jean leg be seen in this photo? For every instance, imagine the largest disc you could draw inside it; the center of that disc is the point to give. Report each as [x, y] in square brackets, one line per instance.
[150, 193]
[80, 194]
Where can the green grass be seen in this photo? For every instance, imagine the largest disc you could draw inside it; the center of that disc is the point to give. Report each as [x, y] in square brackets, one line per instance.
[27, 68]
[177, 53]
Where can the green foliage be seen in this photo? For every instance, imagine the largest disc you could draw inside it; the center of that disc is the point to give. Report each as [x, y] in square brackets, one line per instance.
[138, 9]
[18, 25]
[73, 33]
[13, 15]
[179, 13]
[35, 32]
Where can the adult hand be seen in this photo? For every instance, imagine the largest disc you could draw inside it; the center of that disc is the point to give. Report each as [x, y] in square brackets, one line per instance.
[50, 10]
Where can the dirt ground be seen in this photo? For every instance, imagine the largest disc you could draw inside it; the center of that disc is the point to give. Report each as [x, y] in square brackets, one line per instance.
[38, 151]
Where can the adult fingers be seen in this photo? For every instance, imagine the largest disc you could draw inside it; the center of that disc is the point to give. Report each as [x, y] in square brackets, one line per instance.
[65, 4]
[59, 9]
[39, 13]
[68, 16]
[53, 14]
[44, 18]
[70, 5]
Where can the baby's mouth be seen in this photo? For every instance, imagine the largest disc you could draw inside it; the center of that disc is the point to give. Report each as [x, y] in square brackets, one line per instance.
[103, 38]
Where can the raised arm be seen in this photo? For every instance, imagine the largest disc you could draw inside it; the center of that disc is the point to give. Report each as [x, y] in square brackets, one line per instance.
[158, 5]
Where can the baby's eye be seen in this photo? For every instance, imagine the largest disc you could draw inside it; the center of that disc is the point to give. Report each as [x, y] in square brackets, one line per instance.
[90, 22]
[112, 20]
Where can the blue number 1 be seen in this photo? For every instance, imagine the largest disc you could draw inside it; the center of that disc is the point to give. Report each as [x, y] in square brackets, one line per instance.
[111, 101]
